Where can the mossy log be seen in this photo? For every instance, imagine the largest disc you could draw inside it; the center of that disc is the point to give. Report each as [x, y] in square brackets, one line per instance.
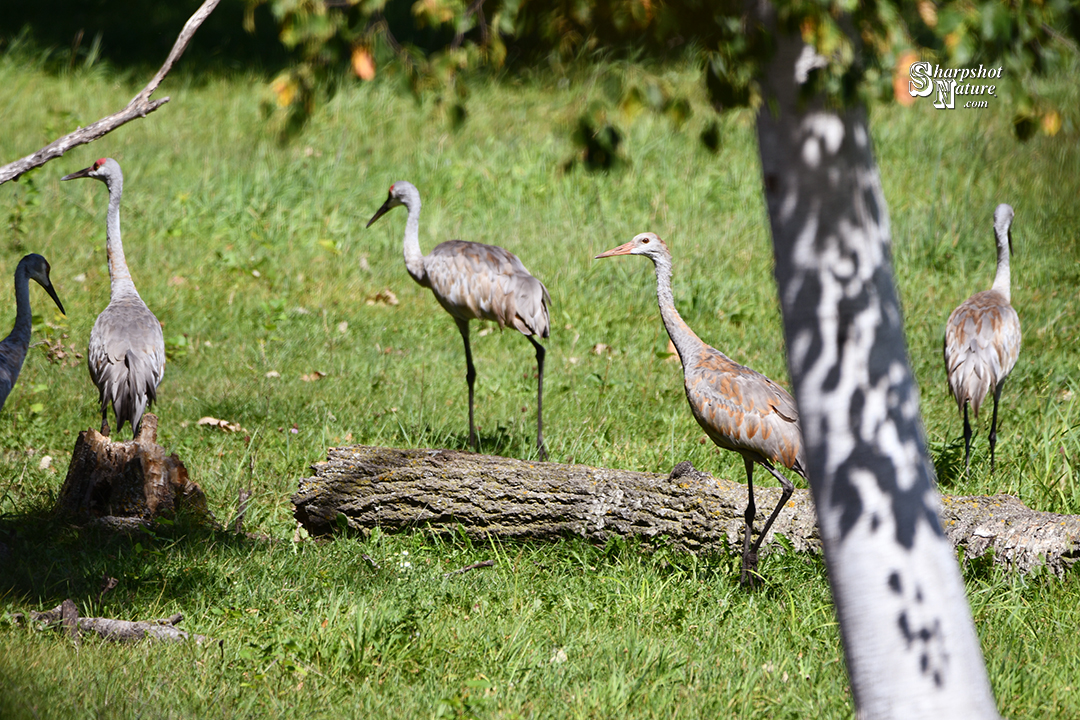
[125, 484]
[485, 496]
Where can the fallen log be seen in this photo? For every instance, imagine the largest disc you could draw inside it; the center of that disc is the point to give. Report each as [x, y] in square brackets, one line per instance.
[485, 496]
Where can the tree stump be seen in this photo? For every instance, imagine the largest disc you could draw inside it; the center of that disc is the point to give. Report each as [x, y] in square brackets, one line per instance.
[127, 483]
[485, 496]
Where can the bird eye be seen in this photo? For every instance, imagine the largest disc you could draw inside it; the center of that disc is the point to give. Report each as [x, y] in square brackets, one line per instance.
[645, 241]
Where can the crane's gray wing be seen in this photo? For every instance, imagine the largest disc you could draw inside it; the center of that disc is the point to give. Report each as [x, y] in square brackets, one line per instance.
[742, 410]
[126, 359]
[982, 343]
[474, 280]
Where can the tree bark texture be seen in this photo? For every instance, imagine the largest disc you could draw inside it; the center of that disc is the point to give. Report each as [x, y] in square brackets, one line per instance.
[485, 496]
[909, 638]
[120, 482]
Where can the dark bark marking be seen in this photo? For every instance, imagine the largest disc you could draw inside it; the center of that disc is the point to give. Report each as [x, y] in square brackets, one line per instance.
[894, 583]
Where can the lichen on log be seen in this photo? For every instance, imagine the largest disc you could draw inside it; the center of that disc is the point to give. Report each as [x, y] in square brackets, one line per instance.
[516, 500]
[485, 496]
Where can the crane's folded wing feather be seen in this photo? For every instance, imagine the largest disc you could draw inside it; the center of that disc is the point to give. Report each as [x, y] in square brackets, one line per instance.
[741, 409]
[485, 282]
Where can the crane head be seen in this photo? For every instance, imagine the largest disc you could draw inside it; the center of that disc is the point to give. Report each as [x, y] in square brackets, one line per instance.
[401, 193]
[645, 243]
[1003, 217]
[104, 169]
[37, 267]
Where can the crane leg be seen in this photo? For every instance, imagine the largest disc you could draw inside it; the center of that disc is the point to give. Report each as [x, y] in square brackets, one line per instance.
[470, 378]
[967, 440]
[993, 428]
[749, 560]
[541, 451]
[105, 420]
[785, 495]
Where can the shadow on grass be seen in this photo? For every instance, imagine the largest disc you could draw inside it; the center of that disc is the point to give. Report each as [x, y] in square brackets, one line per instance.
[44, 560]
[948, 459]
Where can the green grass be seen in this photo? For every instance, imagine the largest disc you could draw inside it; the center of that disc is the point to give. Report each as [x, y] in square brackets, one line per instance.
[255, 258]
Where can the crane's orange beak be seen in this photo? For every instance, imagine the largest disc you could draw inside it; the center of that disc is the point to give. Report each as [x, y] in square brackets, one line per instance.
[624, 249]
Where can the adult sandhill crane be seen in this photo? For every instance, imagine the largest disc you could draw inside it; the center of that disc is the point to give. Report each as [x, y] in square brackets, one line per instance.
[982, 340]
[126, 355]
[13, 347]
[476, 281]
[738, 408]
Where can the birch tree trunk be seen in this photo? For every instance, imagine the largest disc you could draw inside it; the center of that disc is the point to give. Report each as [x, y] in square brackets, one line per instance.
[909, 639]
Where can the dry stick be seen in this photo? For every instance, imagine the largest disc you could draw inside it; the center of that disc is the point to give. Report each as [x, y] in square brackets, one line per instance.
[244, 496]
[69, 619]
[118, 630]
[140, 106]
[467, 568]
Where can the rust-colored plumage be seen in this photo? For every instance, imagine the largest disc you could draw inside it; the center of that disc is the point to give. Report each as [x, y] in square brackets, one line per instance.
[738, 408]
[472, 280]
[982, 340]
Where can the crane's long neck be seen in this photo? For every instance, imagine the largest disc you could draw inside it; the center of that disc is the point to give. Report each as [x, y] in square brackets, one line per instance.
[20, 334]
[414, 258]
[119, 276]
[686, 342]
[1001, 279]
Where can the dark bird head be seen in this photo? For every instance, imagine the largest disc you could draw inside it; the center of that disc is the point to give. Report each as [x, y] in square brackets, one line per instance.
[37, 268]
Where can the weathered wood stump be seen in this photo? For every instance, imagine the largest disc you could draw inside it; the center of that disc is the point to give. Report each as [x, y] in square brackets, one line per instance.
[487, 496]
[127, 483]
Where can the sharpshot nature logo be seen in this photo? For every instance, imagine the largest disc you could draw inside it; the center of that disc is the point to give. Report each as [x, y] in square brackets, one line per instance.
[925, 77]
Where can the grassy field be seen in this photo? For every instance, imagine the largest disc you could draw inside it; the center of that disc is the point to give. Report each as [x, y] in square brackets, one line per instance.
[255, 258]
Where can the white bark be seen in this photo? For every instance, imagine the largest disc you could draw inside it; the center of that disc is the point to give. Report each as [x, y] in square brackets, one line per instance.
[908, 635]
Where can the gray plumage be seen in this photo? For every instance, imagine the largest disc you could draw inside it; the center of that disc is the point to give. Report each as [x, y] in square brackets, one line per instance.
[13, 347]
[126, 354]
[738, 408]
[982, 340]
[476, 281]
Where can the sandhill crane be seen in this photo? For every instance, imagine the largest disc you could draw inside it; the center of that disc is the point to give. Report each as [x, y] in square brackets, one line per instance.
[13, 347]
[476, 281]
[982, 340]
[126, 355]
[738, 408]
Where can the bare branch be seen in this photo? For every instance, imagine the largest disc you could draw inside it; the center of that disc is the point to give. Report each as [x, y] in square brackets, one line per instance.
[478, 8]
[467, 568]
[140, 106]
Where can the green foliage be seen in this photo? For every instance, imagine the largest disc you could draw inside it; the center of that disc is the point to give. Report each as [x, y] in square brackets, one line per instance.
[863, 49]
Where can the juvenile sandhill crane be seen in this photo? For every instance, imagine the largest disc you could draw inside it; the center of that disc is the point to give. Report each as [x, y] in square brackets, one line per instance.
[738, 408]
[126, 356]
[13, 347]
[476, 281]
[982, 340]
